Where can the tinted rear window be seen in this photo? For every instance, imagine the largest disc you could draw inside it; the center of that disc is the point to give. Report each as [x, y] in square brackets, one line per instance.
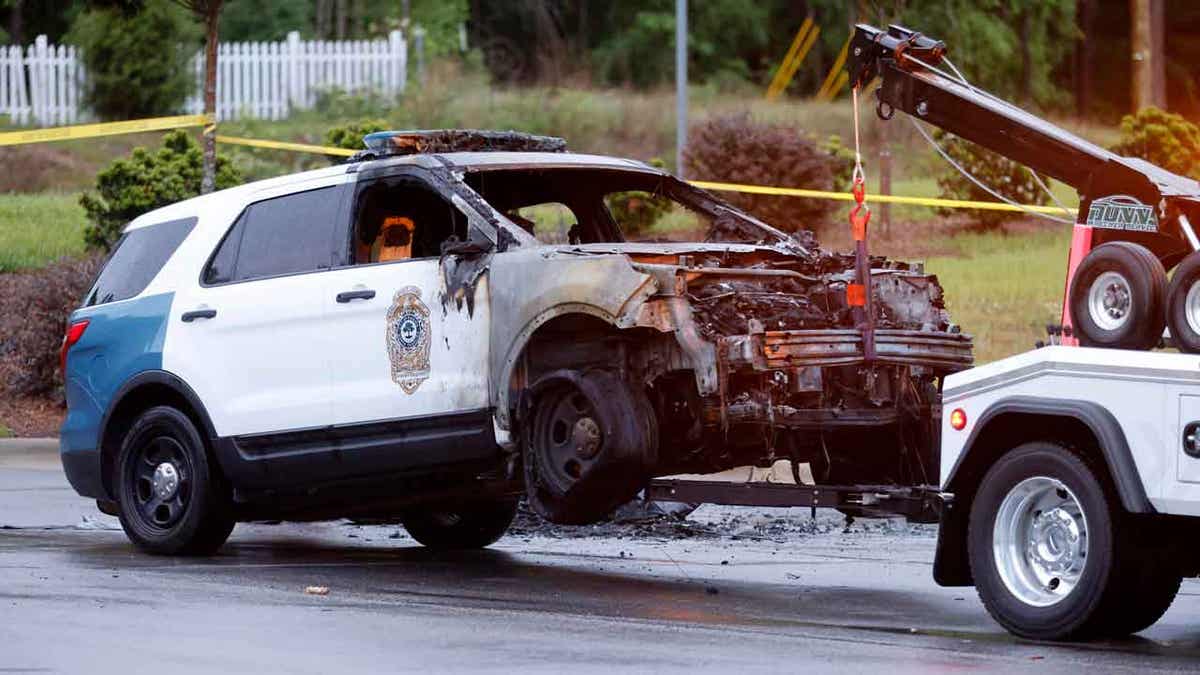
[286, 235]
[137, 259]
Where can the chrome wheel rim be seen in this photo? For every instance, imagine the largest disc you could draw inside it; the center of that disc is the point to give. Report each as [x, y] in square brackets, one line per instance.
[1040, 541]
[1110, 301]
[1191, 307]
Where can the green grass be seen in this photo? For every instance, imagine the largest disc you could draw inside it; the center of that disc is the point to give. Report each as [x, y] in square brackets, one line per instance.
[38, 228]
[5, 432]
[1002, 289]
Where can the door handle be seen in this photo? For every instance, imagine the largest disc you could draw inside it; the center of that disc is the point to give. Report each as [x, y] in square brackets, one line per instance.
[347, 296]
[191, 316]
[1191, 439]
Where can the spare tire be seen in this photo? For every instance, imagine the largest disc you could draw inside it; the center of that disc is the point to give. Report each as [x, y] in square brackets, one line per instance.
[1117, 297]
[1183, 305]
[590, 443]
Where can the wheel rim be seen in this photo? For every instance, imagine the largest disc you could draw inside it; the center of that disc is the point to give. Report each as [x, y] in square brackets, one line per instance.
[1191, 307]
[1110, 301]
[1040, 541]
[160, 482]
[569, 437]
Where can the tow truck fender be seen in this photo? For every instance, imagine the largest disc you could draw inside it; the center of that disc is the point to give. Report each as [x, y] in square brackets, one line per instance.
[950, 565]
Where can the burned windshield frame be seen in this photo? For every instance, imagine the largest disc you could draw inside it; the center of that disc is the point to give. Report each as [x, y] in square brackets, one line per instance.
[647, 180]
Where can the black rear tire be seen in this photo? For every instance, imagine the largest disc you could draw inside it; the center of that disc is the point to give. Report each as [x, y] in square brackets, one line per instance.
[590, 441]
[1183, 334]
[171, 499]
[1141, 281]
[463, 526]
[1107, 578]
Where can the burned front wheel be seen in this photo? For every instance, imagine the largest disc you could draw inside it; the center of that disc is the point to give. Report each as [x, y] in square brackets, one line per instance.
[590, 441]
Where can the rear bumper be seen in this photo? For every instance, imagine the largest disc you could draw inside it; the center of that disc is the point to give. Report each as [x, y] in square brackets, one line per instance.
[79, 442]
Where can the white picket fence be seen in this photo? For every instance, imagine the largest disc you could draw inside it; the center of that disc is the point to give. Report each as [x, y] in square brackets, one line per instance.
[42, 84]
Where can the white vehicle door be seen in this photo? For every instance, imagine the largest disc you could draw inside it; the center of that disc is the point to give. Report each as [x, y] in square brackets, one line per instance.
[408, 369]
[249, 333]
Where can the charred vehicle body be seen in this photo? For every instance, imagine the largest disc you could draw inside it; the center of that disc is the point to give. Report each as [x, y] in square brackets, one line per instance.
[427, 332]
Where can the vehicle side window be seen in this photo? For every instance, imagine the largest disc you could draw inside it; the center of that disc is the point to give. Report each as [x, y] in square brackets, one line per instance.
[402, 218]
[291, 234]
[136, 260]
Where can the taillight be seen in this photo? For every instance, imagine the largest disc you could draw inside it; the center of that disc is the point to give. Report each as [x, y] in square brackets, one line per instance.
[958, 419]
[73, 334]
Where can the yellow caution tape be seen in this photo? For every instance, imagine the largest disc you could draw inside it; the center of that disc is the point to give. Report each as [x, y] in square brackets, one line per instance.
[180, 121]
[279, 145]
[103, 129]
[890, 199]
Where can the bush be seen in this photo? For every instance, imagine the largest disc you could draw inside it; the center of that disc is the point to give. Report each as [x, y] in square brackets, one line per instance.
[34, 307]
[735, 149]
[145, 181]
[350, 136]
[1161, 138]
[1006, 177]
[138, 63]
[638, 211]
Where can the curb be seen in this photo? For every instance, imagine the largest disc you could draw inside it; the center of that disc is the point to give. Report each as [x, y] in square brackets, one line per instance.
[12, 447]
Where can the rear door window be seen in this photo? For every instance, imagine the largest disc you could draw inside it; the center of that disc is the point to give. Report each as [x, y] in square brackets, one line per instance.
[137, 259]
[292, 234]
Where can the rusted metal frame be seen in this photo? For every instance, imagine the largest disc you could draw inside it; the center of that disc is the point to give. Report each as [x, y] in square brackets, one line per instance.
[919, 503]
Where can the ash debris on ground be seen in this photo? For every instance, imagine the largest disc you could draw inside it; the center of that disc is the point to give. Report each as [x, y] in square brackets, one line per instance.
[716, 523]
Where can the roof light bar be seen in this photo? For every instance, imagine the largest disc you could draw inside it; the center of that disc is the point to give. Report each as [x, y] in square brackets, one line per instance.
[392, 143]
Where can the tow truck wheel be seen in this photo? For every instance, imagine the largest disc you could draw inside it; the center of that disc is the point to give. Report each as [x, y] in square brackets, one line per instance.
[1043, 542]
[463, 526]
[1117, 297]
[1183, 305]
[170, 498]
[589, 440]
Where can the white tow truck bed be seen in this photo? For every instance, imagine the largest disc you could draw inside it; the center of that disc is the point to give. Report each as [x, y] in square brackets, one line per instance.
[1152, 396]
[1070, 478]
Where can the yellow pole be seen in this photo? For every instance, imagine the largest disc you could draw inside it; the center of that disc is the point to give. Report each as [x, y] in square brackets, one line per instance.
[823, 93]
[795, 64]
[772, 90]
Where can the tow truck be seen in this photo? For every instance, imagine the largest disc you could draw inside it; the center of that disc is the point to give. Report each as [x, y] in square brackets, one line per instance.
[1068, 490]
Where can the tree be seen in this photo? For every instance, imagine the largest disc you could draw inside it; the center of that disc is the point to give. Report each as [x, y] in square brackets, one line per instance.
[136, 58]
[209, 12]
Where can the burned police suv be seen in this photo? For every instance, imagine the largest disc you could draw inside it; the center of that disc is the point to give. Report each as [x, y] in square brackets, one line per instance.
[454, 319]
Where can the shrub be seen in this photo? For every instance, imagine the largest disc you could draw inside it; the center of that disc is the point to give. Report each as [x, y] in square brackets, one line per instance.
[842, 162]
[638, 211]
[1006, 177]
[34, 307]
[736, 149]
[350, 136]
[1161, 138]
[145, 181]
[138, 62]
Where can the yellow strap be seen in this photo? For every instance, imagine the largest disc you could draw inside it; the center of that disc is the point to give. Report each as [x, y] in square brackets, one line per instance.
[891, 199]
[279, 145]
[103, 129]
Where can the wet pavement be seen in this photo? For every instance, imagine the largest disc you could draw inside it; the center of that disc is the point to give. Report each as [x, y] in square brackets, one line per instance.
[745, 590]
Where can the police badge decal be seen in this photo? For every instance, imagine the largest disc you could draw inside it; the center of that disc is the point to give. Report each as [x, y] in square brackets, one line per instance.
[408, 339]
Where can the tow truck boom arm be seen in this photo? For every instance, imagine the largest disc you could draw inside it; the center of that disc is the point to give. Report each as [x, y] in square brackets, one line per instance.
[909, 66]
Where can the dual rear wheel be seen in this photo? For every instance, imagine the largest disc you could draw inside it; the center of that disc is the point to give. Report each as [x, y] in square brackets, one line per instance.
[1120, 299]
[1054, 556]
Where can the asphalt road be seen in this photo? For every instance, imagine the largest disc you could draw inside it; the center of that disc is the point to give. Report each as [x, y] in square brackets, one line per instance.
[75, 597]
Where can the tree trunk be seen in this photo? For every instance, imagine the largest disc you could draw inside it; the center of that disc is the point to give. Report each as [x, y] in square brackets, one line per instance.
[1141, 54]
[16, 26]
[209, 179]
[342, 10]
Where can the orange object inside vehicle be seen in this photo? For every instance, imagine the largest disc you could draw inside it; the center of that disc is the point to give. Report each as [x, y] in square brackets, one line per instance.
[395, 239]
